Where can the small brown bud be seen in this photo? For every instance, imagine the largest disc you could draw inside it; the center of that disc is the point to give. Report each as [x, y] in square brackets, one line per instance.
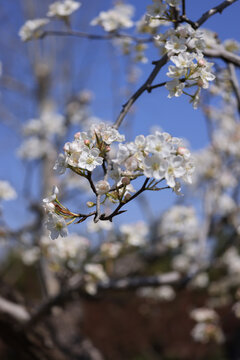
[125, 181]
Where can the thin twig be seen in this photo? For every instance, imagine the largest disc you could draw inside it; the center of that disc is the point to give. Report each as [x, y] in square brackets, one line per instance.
[127, 106]
[183, 8]
[98, 209]
[82, 34]
[213, 11]
[150, 88]
[122, 203]
[89, 178]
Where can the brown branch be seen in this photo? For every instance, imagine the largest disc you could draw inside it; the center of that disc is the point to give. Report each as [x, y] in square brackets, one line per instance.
[235, 84]
[183, 8]
[128, 283]
[150, 88]
[16, 311]
[213, 11]
[12, 84]
[81, 34]
[89, 178]
[122, 203]
[126, 107]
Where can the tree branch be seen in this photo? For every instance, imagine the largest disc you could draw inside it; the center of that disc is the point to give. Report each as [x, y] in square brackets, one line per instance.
[16, 311]
[129, 283]
[82, 34]
[183, 8]
[127, 106]
[213, 11]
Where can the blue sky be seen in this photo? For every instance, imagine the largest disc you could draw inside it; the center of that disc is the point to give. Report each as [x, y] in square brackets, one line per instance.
[96, 66]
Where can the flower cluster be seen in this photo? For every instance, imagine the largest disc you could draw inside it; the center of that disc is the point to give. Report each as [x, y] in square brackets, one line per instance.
[157, 157]
[32, 29]
[185, 46]
[88, 150]
[116, 18]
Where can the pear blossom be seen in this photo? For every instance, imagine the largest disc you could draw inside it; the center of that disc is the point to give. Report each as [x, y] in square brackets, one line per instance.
[106, 132]
[183, 60]
[57, 226]
[157, 9]
[176, 44]
[30, 256]
[133, 237]
[175, 88]
[157, 144]
[174, 169]
[7, 192]
[89, 159]
[96, 271]
[60, 164]
[49, 201]
[72, 250]
[35, 148]
[63, 8]
[155, 166]
[173, 3]
[102, 187]
[116, 18]
[32, 29]
[205, 332]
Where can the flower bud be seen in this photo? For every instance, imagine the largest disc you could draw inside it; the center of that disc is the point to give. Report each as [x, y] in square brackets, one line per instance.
[87, 142]
[182, 150]
[77, 135]
[127, 197]
[125, 181]
[200, 82]
[102, 187]
[201, 62]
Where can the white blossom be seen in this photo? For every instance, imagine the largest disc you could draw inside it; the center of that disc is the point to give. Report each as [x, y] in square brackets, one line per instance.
[176, 44]
[32, 29]
[7, 192]
[57, 226]
[174, 169]
[102, 187]
[63, 8]
[116, 18]
[155, 166]
[135, 234]
[175, 88]
[157, 9]
[60, 164]
[89, 159]
[30, 256]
